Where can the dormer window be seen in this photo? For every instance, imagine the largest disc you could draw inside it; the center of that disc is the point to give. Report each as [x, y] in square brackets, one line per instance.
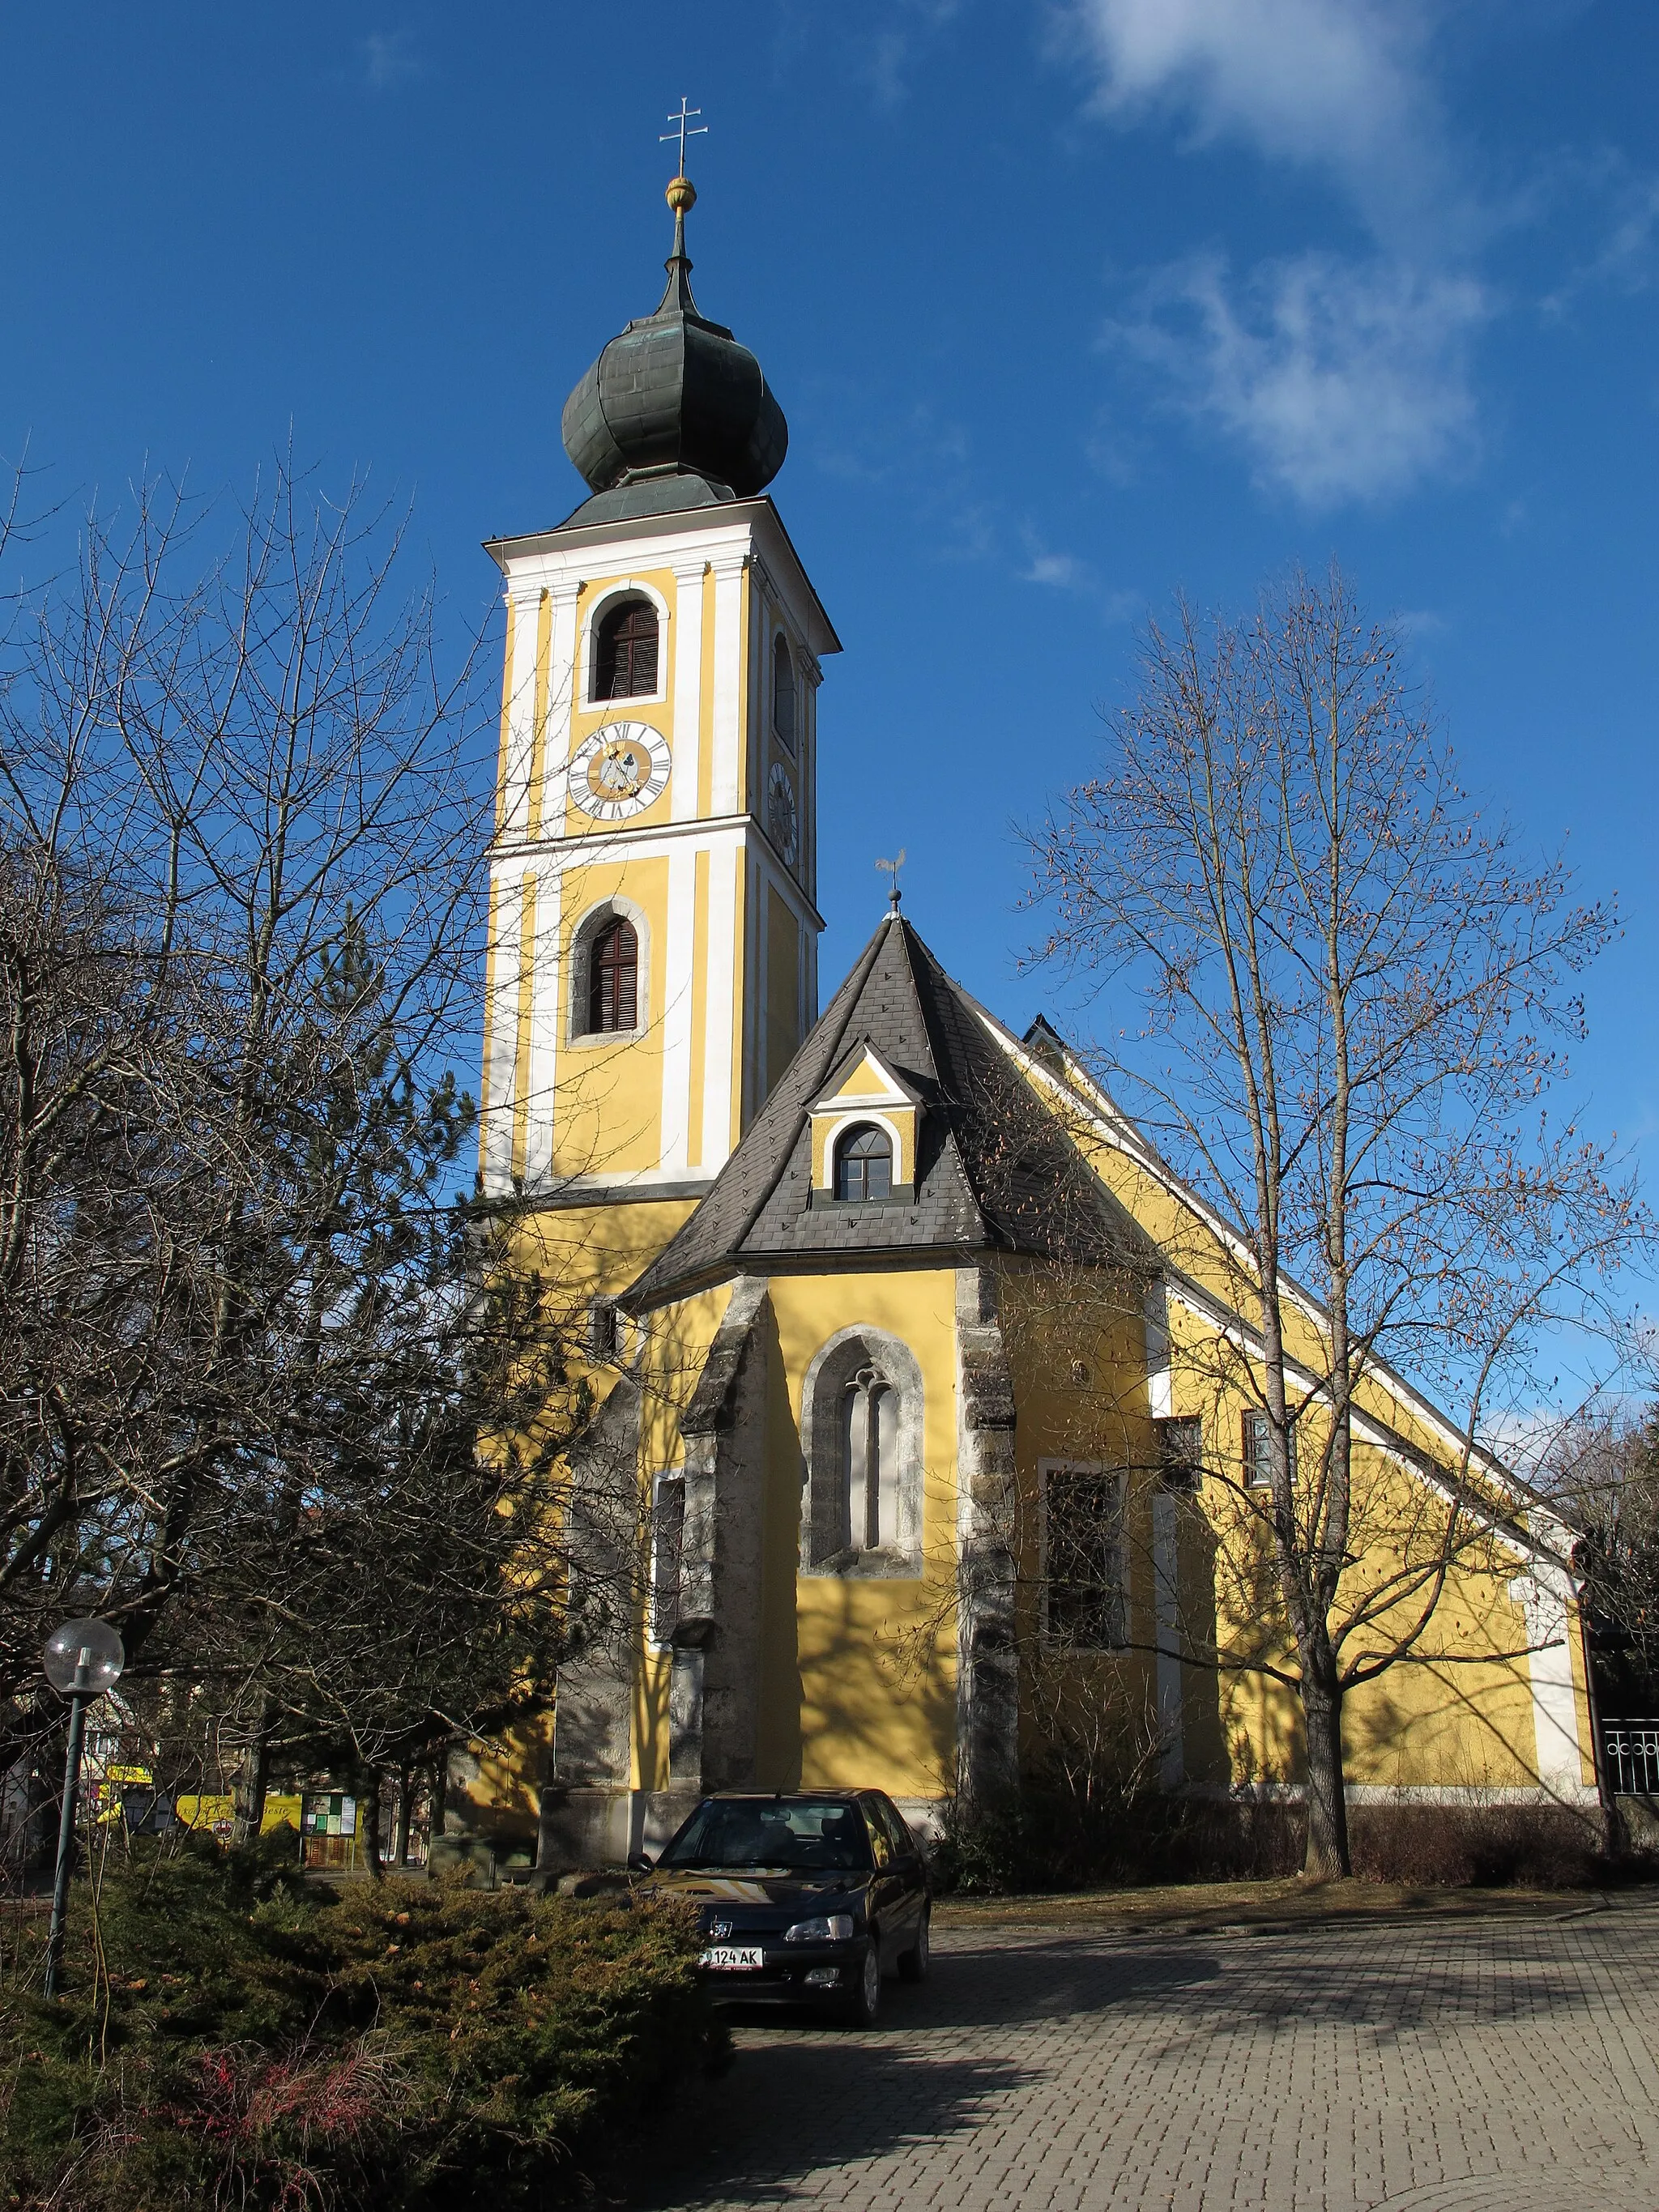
[783, 693]
[864, 1165]
[625, 651]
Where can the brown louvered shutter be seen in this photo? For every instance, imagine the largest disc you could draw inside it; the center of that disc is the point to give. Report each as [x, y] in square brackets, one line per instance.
[614, 979]
[625, 665]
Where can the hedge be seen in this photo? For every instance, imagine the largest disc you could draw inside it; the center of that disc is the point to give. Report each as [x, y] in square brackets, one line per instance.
[228, 2034]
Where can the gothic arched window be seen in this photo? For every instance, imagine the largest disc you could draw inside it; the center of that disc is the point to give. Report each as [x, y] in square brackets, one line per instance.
[625, 651]
[861, 1426]
[783, 692]
[864, 1165]
[613, 979]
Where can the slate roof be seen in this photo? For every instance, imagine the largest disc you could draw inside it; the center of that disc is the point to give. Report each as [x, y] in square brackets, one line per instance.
[996, 1170]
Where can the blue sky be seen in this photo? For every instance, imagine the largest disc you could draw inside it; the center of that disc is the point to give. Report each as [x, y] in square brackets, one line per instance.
[1069, 302]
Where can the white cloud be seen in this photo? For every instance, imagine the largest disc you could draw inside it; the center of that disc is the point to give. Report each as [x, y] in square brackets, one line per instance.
[389, 59]
[1065, 571]
[1340, 84]
[891, 53]
[1341, 380]
[1062, 571]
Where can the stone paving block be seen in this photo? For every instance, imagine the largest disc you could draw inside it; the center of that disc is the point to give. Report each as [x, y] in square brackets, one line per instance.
[1453, 2066]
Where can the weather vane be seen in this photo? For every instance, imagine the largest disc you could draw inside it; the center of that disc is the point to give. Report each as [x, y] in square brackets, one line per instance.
[681, 130]
[892, 868]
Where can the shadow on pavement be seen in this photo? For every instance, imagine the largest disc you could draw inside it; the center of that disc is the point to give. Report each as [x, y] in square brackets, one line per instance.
[789, 2108]
[801, 2100]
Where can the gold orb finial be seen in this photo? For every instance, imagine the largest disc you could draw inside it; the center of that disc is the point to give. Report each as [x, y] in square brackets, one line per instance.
[681, 194]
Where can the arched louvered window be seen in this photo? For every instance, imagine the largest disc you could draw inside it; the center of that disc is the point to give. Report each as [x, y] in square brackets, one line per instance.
[625, 651]
[613, 979]
[783, 693]
[864, 1165]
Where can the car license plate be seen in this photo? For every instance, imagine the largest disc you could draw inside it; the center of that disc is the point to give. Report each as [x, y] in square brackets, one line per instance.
[733, 1958]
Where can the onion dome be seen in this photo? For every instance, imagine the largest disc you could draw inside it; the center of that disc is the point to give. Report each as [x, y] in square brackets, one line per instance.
[676, 395]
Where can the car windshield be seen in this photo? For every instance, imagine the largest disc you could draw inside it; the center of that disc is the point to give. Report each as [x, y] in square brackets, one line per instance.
[809, 1832]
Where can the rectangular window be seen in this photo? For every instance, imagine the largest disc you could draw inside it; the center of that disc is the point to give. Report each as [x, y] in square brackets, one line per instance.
[1259, 1451]
[667, 1542]
[1181, 1452]
[1082, 1592]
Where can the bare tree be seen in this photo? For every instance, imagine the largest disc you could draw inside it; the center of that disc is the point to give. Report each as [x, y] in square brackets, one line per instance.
[1355, 996]
[1602, 1469]
[265, 1388]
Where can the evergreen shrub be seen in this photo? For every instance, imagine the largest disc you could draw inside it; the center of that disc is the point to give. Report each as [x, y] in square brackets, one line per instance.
[229, 2035]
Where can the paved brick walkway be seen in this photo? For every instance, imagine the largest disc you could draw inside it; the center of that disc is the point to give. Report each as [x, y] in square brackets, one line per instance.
[1458, 2066]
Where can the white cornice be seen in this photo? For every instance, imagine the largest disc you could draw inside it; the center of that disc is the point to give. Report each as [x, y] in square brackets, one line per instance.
[738, 527]
[509, 858]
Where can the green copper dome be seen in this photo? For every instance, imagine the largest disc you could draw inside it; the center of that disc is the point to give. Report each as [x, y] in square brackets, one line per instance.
[676, 395]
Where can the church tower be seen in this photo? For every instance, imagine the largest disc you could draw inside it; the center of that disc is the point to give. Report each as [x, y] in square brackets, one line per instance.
[654, 933]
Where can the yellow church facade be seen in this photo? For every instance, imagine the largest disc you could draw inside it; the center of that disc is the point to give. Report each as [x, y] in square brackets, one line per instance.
[928, 1405]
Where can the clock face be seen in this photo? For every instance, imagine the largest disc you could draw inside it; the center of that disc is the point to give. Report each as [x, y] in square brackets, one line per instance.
[782, 818]
[619, 769]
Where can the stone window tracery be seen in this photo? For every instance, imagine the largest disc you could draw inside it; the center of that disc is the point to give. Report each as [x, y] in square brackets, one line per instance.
[861, 1420]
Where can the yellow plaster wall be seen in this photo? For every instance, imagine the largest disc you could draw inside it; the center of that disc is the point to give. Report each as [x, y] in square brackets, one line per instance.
[858, 1676]
[607, 1102]
[1459, 1715]
[583, 715]
[782, 985]
[586, 1252]
[872, 1697]
[1464, 1718]
[1079, 1390]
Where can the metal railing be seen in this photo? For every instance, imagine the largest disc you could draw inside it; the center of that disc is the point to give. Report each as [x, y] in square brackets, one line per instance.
[1632, 1751]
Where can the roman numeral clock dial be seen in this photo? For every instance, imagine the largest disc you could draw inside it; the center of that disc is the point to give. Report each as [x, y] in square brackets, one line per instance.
[619, 769]
[782, 816]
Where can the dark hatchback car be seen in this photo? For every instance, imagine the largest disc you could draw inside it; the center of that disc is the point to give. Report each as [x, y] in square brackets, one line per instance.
[807, 1898]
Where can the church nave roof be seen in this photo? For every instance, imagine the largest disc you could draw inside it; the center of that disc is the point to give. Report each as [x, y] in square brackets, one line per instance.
[995, 1170]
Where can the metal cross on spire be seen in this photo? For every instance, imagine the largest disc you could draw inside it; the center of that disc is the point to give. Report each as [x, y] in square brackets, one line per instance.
[892, 868]
[682, 131]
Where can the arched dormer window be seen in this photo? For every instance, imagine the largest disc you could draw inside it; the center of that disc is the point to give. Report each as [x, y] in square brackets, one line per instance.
[783, 693]
[861, 1418]
[864, 1165]
[625, 651]
[613, 979]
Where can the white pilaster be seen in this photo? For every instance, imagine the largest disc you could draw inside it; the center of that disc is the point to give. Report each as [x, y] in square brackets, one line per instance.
[501, 1070]
[725, 737]
[687, 733]
[1160, 1399]
[561, 689]
[1543, 1595]
[520, 740]
[546, 986]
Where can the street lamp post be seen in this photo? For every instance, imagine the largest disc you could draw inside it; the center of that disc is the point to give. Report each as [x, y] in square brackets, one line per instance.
[83, 1659]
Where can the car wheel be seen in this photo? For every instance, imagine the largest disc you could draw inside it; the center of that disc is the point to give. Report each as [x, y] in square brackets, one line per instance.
[913, 1964]
[863, 2006]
